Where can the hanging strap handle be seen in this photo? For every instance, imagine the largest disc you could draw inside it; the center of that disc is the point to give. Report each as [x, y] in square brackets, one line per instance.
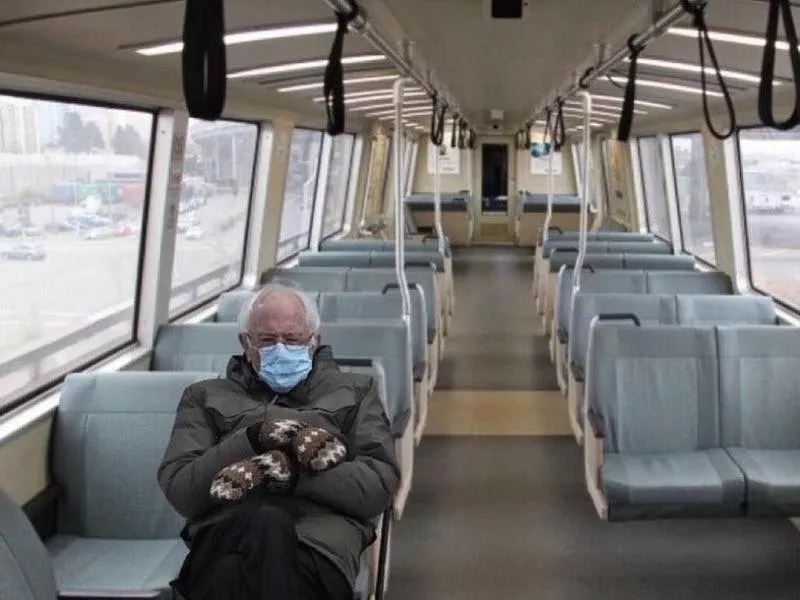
[559, 132]
[547, 137]
[437, 121]
[626, 118]
[765, 111]
[703, 42]
[453, 132]
[203, 59]
[333, 89]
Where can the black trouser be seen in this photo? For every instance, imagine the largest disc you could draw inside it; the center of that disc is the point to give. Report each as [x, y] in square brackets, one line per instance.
[256, 556]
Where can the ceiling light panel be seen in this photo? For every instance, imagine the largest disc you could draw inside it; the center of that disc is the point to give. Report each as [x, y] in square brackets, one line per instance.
[306, 65]
[674, 87]
[353, 81]
[391, 105]
[690, 68]
[244, 37]
[639, 102]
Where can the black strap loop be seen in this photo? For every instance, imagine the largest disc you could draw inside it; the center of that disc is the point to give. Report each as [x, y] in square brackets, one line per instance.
[462, 135]
[454, 132]
[582, 81]
[559, 131]
[333, 89]
[626, 117]
[471, 140]
[437, 121]
[527, 136]
[203, 60]
[765, 111]
[547, 137]
[614, 83]
[703, 42]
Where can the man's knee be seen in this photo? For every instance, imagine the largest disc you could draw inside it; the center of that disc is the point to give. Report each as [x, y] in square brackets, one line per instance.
[271, 518]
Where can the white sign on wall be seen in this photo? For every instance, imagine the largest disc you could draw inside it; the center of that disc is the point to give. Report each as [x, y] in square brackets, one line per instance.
[540, 166]
[449, 162]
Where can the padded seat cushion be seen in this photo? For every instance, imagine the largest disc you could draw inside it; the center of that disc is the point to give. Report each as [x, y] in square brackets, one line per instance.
[773, 480]
[119, 565]
[669, 484]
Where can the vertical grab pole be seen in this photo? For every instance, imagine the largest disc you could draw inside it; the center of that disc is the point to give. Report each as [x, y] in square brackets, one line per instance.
[437, 199]
[585, 187]
[399, 213]
[576, 274]
[550, 189]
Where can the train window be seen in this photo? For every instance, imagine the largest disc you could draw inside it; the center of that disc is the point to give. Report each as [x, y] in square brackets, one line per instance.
[215, 196]
[72, 196]
[339, 173]
[655, 187]
[298, 199]
[694, 203]
[770, 160]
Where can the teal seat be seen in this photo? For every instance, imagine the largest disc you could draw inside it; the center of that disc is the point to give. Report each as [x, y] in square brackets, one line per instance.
[760, 413]
[653, 399]
[115, 529]
[322, 279]
[195, 347]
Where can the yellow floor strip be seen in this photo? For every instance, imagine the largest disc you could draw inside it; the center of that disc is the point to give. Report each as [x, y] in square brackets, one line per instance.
[490, 412]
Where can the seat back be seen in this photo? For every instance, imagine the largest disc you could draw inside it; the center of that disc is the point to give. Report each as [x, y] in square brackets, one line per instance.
[377, 245]
[592, 247]
[725, 310]
[759, 383]
[195, 347]
[367, 367]
[26, 572]
[322, 279]
[388, 341]
[643, 247]
[110, 434]
[595, 282]
[346, 306]
[333, 259]
[658, 262]
[599, 236]
[562, 257]
[422, 257]
[377, 280]
[654, 389]
[649, 309]
[684, 282]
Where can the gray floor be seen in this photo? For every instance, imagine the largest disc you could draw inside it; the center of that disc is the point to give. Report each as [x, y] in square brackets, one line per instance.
[509, 517]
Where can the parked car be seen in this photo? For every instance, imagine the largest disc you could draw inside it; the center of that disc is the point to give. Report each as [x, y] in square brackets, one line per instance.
[25, 252]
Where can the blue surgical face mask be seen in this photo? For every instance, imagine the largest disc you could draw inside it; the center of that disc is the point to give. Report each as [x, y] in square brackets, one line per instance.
[283, 367]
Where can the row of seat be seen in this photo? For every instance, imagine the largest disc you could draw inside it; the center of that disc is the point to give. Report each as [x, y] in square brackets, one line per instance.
[441, 264]
[665, 394]
[531, 212]
[619, 282]
[456, 210]
[652, 309]
[115, 534]
[693, 421]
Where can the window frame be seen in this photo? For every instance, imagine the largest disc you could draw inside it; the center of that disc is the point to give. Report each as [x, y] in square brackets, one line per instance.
[313, 204]
[182, 314]
[684, 248]
[655, 138]
[793, 308]
[347, 191]
[30, 393]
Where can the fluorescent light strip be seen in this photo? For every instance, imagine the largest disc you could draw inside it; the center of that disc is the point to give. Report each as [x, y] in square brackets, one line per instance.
[305, 65]
[364, 93]
[368, 99]
[243, 37]
[732, 38]
[602, 107]
[666, 86]
[640, 102]
[599, 113]
[415, 109]
[391, 105]
[384, 116]
[690, 68]
[319, 84]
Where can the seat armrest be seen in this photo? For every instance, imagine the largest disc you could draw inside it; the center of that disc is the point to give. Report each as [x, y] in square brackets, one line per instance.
[419, 372]
[596, 423]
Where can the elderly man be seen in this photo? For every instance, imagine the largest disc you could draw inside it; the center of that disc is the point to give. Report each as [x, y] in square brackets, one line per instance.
[280, 466]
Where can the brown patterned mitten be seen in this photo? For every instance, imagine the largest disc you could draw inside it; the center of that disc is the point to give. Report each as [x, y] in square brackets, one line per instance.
[272, 470]
[279, 433]
[318, 450]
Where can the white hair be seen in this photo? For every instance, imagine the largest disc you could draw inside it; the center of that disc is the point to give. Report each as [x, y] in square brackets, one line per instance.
[309, 306]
